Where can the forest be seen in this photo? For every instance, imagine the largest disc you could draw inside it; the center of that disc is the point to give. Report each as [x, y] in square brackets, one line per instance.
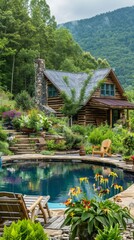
[109, 36]
[28, 31]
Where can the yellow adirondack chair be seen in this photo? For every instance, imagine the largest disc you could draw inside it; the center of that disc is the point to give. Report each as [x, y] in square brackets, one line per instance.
[105, 148]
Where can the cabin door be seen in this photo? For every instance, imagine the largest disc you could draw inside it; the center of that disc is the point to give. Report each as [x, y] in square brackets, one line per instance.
[115, 116]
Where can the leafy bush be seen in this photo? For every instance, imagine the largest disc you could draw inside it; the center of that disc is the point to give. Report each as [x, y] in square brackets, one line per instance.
[52, 145]
[34, 119]
[116, 135]
[3, 135]
[73, 140]
[4, 148]
[24, 101]
[128, 144]
[24, 230]
[79, 129]
[112, 233]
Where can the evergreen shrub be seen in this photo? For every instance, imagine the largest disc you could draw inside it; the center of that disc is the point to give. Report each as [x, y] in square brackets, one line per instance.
[24, 101]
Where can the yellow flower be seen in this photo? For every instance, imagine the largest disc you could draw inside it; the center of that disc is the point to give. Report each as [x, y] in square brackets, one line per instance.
[72, 214]
[83, 179]
[98, 176]
[113, 174]
[106, 210]
[121, 188]
[75, 191]
[116, 186]
[104, 180]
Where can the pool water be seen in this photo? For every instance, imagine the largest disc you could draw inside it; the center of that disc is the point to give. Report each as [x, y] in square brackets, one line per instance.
[56, 178]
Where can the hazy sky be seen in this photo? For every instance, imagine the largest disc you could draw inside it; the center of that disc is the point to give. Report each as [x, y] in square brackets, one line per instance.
[69, 10]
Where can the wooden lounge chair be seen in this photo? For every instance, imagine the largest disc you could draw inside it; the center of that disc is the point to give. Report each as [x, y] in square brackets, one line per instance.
[15, 207]
[105, 148]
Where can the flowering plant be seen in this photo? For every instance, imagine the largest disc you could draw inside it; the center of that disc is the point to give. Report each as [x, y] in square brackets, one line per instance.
[9, 115]
[87, 216]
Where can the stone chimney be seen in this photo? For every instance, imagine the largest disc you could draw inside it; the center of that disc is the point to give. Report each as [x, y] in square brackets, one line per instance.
[40, 84]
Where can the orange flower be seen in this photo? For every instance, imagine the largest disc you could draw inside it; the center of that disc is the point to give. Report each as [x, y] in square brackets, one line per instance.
[86, 204]
[75, 191]
[68, 201]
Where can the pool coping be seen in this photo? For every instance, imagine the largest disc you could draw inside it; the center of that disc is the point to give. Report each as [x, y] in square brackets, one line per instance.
[114, 160]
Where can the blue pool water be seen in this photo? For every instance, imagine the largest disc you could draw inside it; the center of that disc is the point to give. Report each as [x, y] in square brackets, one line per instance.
[55, 179]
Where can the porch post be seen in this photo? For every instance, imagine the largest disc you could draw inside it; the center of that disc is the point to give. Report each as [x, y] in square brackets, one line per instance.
[128, 123]
[110, 117]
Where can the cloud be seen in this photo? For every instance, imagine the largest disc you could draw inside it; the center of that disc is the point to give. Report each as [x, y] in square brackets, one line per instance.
[69, 10]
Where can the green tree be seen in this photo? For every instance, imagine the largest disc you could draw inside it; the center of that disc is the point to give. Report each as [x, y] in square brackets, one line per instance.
[72, 104]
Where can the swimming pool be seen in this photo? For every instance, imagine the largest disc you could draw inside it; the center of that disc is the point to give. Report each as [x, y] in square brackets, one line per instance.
[56, 178]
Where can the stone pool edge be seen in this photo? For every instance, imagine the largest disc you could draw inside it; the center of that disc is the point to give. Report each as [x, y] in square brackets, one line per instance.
[113, 160]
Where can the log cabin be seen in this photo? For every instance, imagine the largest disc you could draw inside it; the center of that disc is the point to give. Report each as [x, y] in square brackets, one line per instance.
[105, 99]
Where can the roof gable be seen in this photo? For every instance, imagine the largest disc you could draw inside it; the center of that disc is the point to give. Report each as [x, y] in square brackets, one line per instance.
[76, 81]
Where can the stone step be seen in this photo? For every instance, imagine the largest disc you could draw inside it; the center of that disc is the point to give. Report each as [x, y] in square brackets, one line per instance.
[14, 132]
[27, 140]
[25, 150]
[13, 148]
[24, 145]
[19, 153]
[21, 136]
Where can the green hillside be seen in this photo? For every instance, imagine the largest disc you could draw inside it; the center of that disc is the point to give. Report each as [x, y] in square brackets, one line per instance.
[110, 36]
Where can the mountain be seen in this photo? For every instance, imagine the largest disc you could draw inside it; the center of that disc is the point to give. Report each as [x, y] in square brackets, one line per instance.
[111, 36]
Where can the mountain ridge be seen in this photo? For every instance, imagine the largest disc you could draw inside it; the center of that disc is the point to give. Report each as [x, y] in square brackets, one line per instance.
[109, 35]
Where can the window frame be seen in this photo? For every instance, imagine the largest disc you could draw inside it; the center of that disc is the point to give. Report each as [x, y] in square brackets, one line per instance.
[52, 91]
[107, 89]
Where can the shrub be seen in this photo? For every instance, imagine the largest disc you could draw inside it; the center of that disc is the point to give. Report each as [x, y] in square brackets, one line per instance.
[24, 230]
[52, 145]
[79, 129]
[34, 119]
[116, 135]
[109, 233]
[16, 123]
[4, 148]
[128, 144]
[3, 135]
[73, 140]
[24, 101]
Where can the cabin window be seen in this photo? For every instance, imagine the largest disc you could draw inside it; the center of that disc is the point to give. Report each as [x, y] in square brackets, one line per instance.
[52, 91]
[107, 89]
